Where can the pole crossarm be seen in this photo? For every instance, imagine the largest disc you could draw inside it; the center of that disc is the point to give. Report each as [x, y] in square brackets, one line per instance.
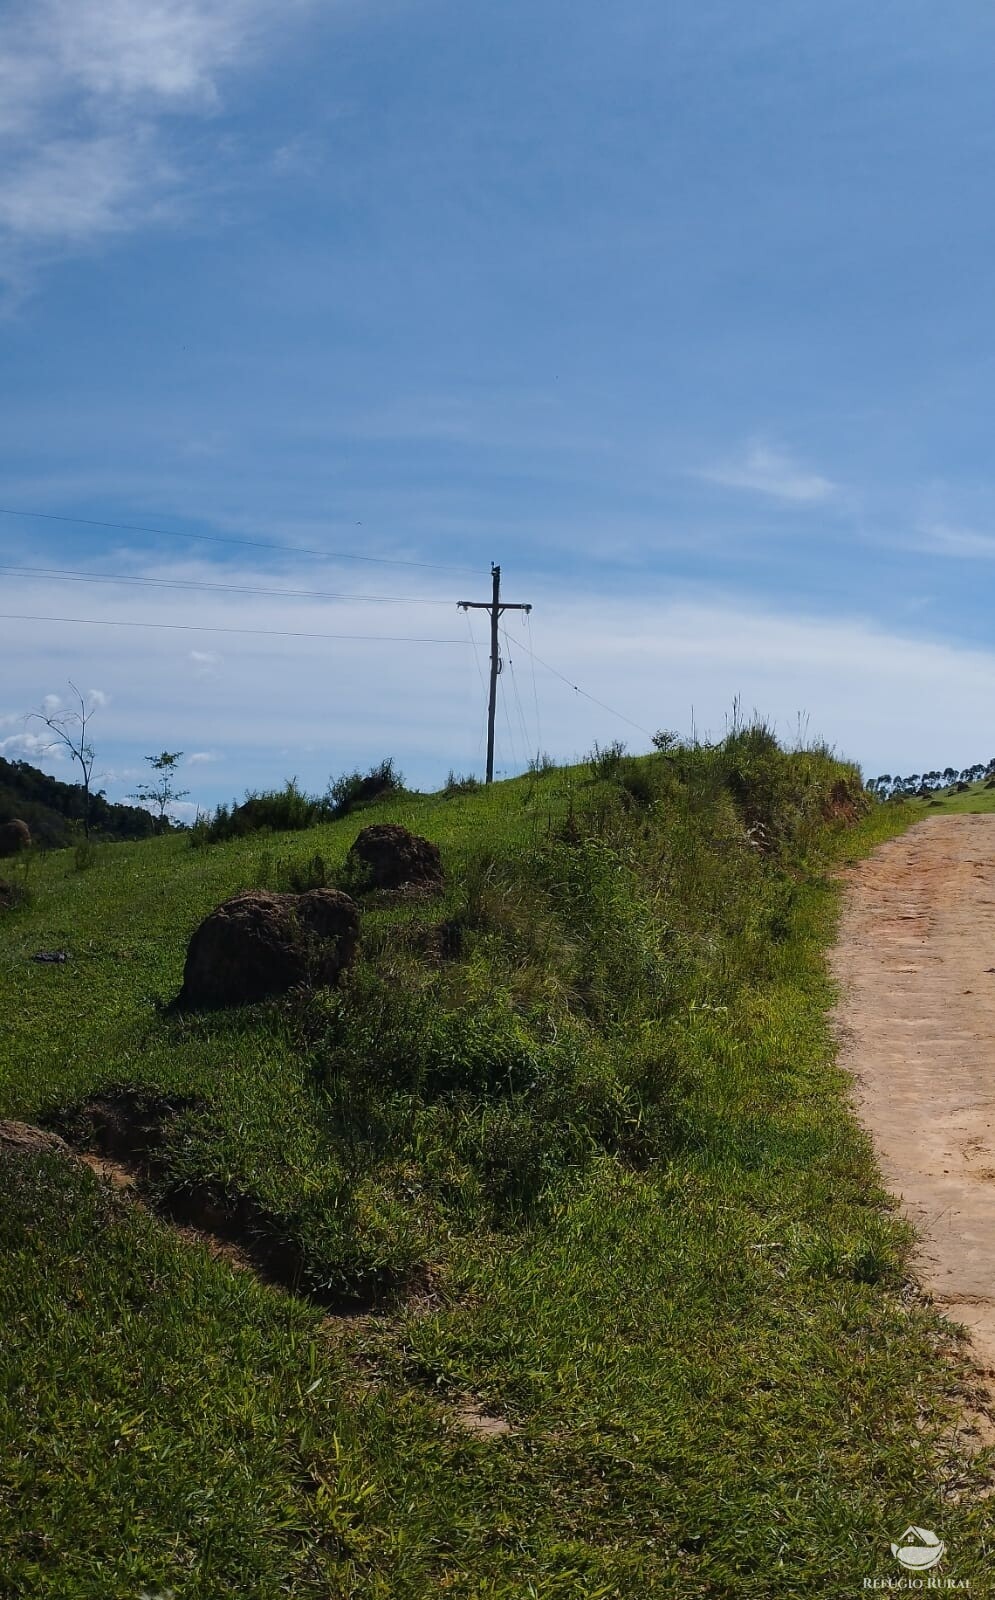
[496, 607]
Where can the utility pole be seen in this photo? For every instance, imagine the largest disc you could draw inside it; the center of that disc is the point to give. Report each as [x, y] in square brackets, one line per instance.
[495, 606]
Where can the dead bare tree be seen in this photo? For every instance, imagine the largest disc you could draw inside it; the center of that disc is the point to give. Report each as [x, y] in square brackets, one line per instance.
[69, 728]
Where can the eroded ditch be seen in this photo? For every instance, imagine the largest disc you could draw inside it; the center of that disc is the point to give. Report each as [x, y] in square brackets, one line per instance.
[124, 1135]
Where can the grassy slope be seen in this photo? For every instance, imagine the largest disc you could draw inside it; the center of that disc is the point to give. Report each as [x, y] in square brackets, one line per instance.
[654, 1241]
[976, 798]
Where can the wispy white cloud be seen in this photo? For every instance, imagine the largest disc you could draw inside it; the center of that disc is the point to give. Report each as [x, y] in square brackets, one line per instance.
[765, 470]
[88, 89]
[202, 758]
[962, 543]
[323, 705]
[205, 663]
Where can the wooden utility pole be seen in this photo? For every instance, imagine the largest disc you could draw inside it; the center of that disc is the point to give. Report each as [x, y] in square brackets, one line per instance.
[495, 606]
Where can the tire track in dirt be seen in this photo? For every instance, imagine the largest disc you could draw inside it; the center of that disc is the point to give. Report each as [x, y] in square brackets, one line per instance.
[915, 964]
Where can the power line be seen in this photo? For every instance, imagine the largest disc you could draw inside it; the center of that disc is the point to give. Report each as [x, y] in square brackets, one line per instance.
[72, 575]
[216, 538]
[518, 700]
[578, 690]
[513, 753]
[194, 627]
[535, 691]
[480, 675]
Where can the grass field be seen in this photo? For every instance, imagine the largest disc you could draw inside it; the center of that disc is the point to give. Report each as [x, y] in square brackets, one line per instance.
[977, 797]
[568, 1149]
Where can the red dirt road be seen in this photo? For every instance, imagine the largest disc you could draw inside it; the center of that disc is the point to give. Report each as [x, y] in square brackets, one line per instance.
[916, 967]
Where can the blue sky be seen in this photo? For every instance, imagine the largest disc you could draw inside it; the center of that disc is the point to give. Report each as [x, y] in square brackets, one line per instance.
[681, 312]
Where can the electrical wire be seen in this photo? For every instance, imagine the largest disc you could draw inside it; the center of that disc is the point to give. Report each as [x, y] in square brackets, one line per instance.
[215, 538]
[578, 690]
[483, 687]
[527, 615]
[195, 627]
[507, 721]
[72, 575]
[518, 702]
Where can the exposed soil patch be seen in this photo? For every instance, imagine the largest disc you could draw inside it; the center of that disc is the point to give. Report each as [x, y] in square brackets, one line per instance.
[22, 1138]
[124, 1125]
[917, 1026]
[473, 1419]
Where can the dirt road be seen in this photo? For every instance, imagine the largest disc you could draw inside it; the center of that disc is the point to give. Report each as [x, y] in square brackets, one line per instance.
[916, 968]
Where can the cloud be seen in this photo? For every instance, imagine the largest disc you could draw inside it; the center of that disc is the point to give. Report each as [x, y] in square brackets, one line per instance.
[31, 747]
[206, 663]
[201, 758]
[764, 470]
[54, 704]
[312, 707]
[940, 539]
[89, 95]
[184, 810]
[73, 189]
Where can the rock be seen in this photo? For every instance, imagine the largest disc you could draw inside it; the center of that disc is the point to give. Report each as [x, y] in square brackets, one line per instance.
[260, 944]
[963, 787]
[14, 837]
[394, 858]
[20, 1138]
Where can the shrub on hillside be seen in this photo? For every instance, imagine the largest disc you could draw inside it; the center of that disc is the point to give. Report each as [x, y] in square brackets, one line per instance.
[462, 783]
[279, 810]
[297, 877]
[541, 763]
[605, 760]
[355, 789]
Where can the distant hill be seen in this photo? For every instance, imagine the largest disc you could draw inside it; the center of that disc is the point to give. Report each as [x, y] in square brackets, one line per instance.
[50, 808]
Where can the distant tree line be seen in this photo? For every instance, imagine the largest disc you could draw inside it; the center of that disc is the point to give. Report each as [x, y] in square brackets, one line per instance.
[54, 810]
[921, 784]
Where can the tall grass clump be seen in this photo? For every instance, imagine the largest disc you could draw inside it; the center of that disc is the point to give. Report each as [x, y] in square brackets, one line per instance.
[356, 789]
[283, 810]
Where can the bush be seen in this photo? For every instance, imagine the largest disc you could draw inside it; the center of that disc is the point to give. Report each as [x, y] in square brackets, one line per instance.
[297, 877]
[355, 789]
[280, 810]
[637, 779]
[84, 855]
[604, 761]
[464, 783]
[541, 763]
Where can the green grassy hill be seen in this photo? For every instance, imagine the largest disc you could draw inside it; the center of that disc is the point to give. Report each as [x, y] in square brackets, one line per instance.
[567, 1150]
